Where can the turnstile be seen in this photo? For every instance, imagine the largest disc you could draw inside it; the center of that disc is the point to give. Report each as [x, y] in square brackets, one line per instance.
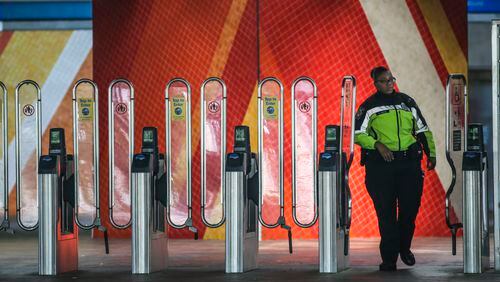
[242, 194]
[466, 208]
[475, 203]
[58, 233]
[323, 183]
[333, 201]
[149, 199]
[53, 184]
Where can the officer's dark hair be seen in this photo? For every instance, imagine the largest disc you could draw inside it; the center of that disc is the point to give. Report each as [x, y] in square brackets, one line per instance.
[376, 71]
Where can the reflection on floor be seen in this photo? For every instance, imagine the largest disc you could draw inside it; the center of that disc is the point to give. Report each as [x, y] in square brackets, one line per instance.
[204, 261]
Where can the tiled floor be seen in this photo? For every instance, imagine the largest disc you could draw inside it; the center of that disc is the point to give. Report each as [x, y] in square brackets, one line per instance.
[204, 261]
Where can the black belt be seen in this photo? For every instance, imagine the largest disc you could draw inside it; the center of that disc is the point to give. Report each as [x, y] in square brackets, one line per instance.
[402, 155]
[414, 152]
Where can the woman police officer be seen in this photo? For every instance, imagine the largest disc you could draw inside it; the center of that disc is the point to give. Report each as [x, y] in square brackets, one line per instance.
[392, 133]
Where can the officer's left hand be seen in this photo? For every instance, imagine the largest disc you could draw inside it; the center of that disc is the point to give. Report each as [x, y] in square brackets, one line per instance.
[431, 163]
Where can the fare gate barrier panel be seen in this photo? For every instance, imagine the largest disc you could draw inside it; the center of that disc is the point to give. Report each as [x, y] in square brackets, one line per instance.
[475, 201]
[28, 139]
[4, 198]
[213, 150]
[58, 233]
[347, 121]
[270, 136]
[121, 139]
[455, 145]
[495, 65]
[86, 157]
[149, 199]
[242, 182]
[304, 152]
[57, 184]
[178, 155]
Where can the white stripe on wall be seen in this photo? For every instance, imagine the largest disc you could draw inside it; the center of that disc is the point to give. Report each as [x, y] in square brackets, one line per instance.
[57, 84]
[408, 58]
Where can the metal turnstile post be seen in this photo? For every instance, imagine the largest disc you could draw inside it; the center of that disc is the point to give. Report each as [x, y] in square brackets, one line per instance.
[58, 233]
[333, 257]
[47, 194]
[241, 177]
[475, 203]
[149, 237]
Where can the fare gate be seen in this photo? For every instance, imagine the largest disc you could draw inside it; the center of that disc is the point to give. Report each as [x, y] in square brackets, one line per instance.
[152, 186]
[149, 199]
[56, 181]
[330, 196]
[58, 233]
[242, 180]
[467, 159]
[475, 191]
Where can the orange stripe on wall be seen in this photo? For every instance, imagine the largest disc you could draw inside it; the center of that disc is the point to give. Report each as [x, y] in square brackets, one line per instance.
[4, 39]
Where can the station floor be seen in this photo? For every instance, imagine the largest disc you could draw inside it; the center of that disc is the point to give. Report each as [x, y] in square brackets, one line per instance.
[204, 261]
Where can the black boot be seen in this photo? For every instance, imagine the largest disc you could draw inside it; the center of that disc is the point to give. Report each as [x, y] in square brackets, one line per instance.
[407, 258]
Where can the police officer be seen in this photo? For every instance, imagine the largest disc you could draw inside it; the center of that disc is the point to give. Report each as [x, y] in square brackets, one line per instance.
[392, 134]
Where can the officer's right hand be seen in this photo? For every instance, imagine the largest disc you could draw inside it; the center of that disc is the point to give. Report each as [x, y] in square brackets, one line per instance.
[384, 152]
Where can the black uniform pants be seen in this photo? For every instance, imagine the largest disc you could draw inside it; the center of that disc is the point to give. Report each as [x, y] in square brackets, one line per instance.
[395, 188]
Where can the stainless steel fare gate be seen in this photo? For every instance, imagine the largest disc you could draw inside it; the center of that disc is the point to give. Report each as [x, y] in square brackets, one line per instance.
[330, 197]
[467, 159]
[56, 184]
[242, 180]
[46, 190]
[149, 199]
[54, 216]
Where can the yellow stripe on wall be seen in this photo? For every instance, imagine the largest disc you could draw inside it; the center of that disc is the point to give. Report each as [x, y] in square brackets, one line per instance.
[444, 37]
[29, 55]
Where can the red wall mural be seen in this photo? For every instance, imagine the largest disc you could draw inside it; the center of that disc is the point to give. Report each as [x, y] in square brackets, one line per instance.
[241, 41]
